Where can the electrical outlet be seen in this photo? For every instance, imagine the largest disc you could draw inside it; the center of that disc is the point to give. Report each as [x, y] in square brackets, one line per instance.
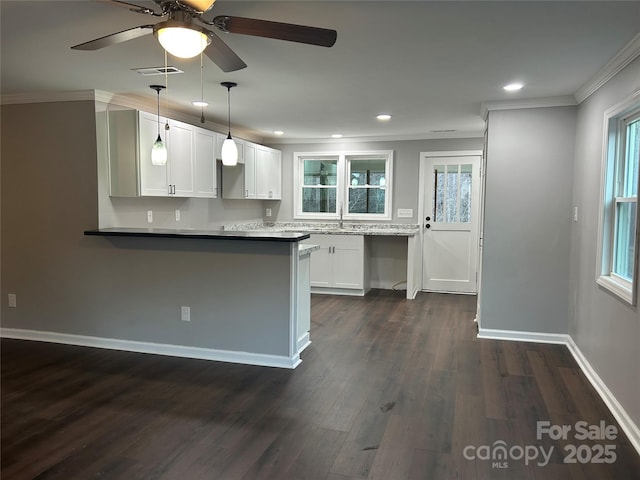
[185, 314]
[12, 300]
[177, 215]
[149, 216]
[268, 212]
[575, 214]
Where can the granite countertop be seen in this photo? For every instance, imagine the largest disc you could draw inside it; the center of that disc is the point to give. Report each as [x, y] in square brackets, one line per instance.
[259, 235]
[389, 229]
[306, 249]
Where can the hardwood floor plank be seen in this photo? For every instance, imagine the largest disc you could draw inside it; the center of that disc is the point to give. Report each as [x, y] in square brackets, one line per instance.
[390, 388]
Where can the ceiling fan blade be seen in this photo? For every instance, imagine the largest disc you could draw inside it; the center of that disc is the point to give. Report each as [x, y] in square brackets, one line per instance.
[281, 31]
[115, 38]
[220, 53]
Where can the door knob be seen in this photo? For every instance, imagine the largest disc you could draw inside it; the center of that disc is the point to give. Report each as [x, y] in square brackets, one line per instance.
[427, 226]
[428, 218]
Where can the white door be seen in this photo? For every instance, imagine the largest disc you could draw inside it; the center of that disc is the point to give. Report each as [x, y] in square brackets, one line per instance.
[450, 223]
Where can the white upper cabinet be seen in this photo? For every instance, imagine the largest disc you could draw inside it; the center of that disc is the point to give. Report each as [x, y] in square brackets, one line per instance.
[268, 173]
[205, 163]
[176, 178]
[192, 156]
[259, 177]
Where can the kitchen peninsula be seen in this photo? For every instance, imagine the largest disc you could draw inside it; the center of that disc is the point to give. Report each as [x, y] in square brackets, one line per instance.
[231, 296]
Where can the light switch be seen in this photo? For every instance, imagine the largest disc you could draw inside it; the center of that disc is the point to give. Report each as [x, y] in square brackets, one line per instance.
[149, 216]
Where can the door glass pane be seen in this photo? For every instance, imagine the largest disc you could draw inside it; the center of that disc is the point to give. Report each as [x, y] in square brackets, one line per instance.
[438, 189]
[465, 193]
[625, 239]
[452, 193]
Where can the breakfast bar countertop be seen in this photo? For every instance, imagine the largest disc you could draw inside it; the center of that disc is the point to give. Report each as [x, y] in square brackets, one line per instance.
[259, 235]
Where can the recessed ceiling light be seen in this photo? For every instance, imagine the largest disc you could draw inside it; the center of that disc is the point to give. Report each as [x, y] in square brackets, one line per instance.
[278, 132]
[513, 87]
[336, 135]
[200, 103]
[383, 116]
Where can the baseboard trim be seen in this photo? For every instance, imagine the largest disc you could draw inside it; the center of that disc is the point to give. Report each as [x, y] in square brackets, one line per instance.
[230, 356]
[617, 410]
[303, 342]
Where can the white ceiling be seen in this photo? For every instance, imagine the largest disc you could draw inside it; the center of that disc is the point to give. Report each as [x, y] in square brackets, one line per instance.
[429, 64]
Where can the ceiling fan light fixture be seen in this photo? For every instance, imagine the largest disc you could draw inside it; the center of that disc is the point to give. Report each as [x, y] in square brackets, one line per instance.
[183, 41]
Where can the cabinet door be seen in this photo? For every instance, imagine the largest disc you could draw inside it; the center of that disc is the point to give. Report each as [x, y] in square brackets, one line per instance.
[348, 266]
[320, 274]
[205, 163]
[268, 174]
[250, 173]
[180, 147]
[154, 179]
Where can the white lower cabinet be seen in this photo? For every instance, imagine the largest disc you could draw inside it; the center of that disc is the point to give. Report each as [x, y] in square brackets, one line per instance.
[340, 266]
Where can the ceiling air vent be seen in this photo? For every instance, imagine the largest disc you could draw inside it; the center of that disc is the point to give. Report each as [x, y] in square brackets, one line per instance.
[149, 71]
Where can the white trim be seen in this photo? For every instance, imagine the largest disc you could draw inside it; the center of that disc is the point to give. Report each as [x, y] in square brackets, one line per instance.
[47, 97]
[617, 410]
[303, 342]
[367, 139]
[563, 101]
[246, 358]
[517, 336]
[610, 127]
[623, 58]
[422, 187]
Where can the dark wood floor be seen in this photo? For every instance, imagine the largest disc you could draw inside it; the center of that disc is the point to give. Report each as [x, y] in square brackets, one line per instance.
[390, 389]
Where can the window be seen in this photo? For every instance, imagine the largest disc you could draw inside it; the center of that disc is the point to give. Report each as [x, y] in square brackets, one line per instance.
[618, 242]
[358, 184]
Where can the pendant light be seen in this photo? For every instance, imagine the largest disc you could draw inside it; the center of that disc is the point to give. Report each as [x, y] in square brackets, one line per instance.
[229, 148]
[158, 150]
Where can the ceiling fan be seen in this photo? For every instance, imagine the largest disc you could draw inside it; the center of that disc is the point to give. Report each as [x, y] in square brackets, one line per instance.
[180, 29]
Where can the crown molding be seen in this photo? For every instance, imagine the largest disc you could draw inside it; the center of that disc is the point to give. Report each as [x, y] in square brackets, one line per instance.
[46, 97]
[563, 101]
[627, 55]
[369, 139]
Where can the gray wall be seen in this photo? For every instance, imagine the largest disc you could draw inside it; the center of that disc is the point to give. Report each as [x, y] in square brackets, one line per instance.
[606, 329]
[126, 289]
[527, 223]
[405, 175]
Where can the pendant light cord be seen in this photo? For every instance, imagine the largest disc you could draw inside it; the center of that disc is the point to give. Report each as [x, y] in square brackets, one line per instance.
[201, 90]
[229, 109]
[166, 87]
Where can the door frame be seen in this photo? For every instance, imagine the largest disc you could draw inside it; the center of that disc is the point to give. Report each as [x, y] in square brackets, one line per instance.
[424, 158]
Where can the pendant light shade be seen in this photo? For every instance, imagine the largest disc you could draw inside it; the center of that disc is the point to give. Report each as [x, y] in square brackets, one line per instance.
[229, 152]
[229, 147]
[159, 149]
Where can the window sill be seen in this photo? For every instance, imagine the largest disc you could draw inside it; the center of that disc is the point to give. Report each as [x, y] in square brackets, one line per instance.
[622, 290]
